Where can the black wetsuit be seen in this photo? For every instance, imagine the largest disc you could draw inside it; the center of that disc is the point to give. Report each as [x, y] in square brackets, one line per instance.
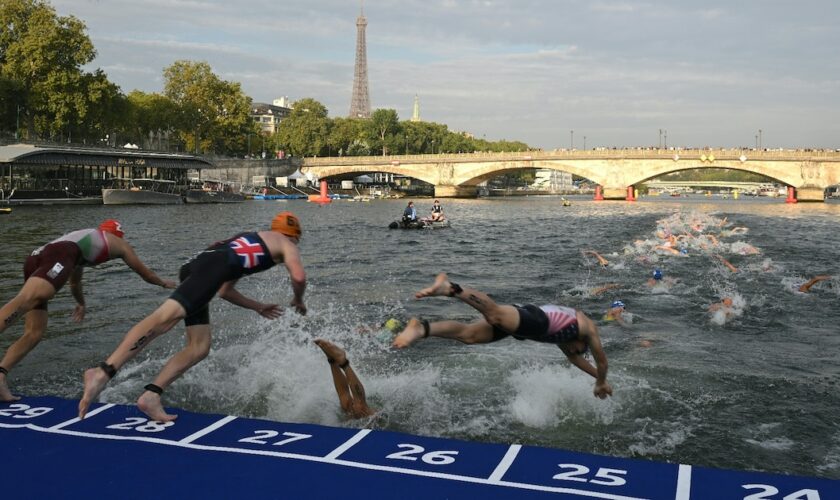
[223, 261]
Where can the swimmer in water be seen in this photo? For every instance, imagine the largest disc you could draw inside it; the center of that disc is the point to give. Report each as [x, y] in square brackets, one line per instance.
[805, 287]
[351, 392]
[616, 312]
[727, 264]
[723, 311]
[569, 329]
[604, 262]
[602, 289]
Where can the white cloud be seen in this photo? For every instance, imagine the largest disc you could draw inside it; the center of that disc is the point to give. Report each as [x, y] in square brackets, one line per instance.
[616, 71]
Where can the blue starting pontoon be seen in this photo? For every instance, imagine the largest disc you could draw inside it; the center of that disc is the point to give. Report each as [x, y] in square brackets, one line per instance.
[117, 452]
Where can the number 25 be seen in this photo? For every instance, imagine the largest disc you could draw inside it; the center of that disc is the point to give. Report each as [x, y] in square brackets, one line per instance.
[607, 477]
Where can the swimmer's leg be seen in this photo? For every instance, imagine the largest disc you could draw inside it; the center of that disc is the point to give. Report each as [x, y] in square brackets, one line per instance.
[336, 357]
[478, 332]
[35, 326]
[35, 291]
[505, 317]
[153, 325]
[197, 348]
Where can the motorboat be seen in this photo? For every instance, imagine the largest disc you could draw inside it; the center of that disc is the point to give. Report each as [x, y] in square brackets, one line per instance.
[142, 192]
[419, 224]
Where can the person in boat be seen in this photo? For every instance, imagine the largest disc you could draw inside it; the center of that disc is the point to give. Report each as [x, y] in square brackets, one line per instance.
[437, 212]
[216, 269]
[569, 329]
[410, 213]
[348, 387]
[47, 269]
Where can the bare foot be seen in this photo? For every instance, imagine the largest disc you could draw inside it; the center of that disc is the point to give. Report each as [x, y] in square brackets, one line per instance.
[332, 351]
[412, 332]
[6, 395]
[95, 380]
[441, 286]
[149, 403]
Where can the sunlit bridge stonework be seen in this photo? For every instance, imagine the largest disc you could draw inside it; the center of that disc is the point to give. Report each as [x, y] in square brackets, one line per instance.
[615, 170]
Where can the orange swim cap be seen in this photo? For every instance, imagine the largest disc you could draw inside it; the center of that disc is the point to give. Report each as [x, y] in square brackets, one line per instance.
[286, 223]
[112, 226]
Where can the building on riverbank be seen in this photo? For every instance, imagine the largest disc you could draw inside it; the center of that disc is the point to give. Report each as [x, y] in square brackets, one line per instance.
[52, 174]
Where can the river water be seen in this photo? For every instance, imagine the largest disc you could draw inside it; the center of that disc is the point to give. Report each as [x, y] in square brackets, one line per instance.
[755, 389]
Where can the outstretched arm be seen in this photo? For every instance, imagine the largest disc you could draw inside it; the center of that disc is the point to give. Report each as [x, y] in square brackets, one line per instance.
[229, 292]
[78, 293]
[813, 281]
[294, 265]
[133, 261]
[604, 262]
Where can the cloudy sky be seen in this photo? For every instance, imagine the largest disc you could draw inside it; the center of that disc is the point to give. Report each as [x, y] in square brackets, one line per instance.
[706, 72]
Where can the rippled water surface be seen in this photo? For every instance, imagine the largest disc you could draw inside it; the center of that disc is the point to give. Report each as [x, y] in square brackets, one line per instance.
[756, 389]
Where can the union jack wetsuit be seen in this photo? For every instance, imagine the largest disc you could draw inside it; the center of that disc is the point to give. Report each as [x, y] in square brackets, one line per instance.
[223, 261]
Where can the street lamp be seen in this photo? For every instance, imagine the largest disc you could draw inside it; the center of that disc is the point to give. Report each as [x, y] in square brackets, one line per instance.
[665, 132]
[760, 142]
[660, 138]
[197, 124]
[584, 143]
[756, 142]
[571, 139]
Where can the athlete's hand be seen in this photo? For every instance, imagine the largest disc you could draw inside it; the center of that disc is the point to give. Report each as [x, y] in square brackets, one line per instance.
[270, 311]
[79, 313]
[602, 390]
[169, 284]
[299, 306]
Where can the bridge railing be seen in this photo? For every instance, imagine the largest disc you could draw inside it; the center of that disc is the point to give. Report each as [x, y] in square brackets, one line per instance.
[572, 154]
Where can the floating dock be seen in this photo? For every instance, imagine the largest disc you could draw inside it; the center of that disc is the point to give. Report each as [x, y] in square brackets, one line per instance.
[117, 452]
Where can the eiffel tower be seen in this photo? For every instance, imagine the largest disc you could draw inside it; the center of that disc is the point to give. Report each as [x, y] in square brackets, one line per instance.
[360, 102]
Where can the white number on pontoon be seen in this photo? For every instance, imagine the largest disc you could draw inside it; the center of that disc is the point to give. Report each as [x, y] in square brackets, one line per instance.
[27, 411]
[431, 458]
[262, 437]
[607, 477]
[141, 424]
[770, 492]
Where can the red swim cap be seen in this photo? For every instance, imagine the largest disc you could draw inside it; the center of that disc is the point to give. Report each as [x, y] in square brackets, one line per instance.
[286, 223]
[112, 226]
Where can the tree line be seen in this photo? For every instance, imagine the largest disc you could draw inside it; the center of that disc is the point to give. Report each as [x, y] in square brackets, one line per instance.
[46, 95]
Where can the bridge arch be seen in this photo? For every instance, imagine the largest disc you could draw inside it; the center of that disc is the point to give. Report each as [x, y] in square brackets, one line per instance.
[429, 176]
[784, 176]
[475, 176]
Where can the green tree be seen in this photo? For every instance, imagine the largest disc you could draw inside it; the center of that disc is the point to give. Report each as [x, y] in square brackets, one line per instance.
[149, 117]
[212, 114]
[384, 127]
[343, 133]
[306, 130]
[41, 54]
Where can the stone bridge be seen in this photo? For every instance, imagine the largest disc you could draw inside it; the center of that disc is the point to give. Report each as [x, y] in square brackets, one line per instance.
[614, 170]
